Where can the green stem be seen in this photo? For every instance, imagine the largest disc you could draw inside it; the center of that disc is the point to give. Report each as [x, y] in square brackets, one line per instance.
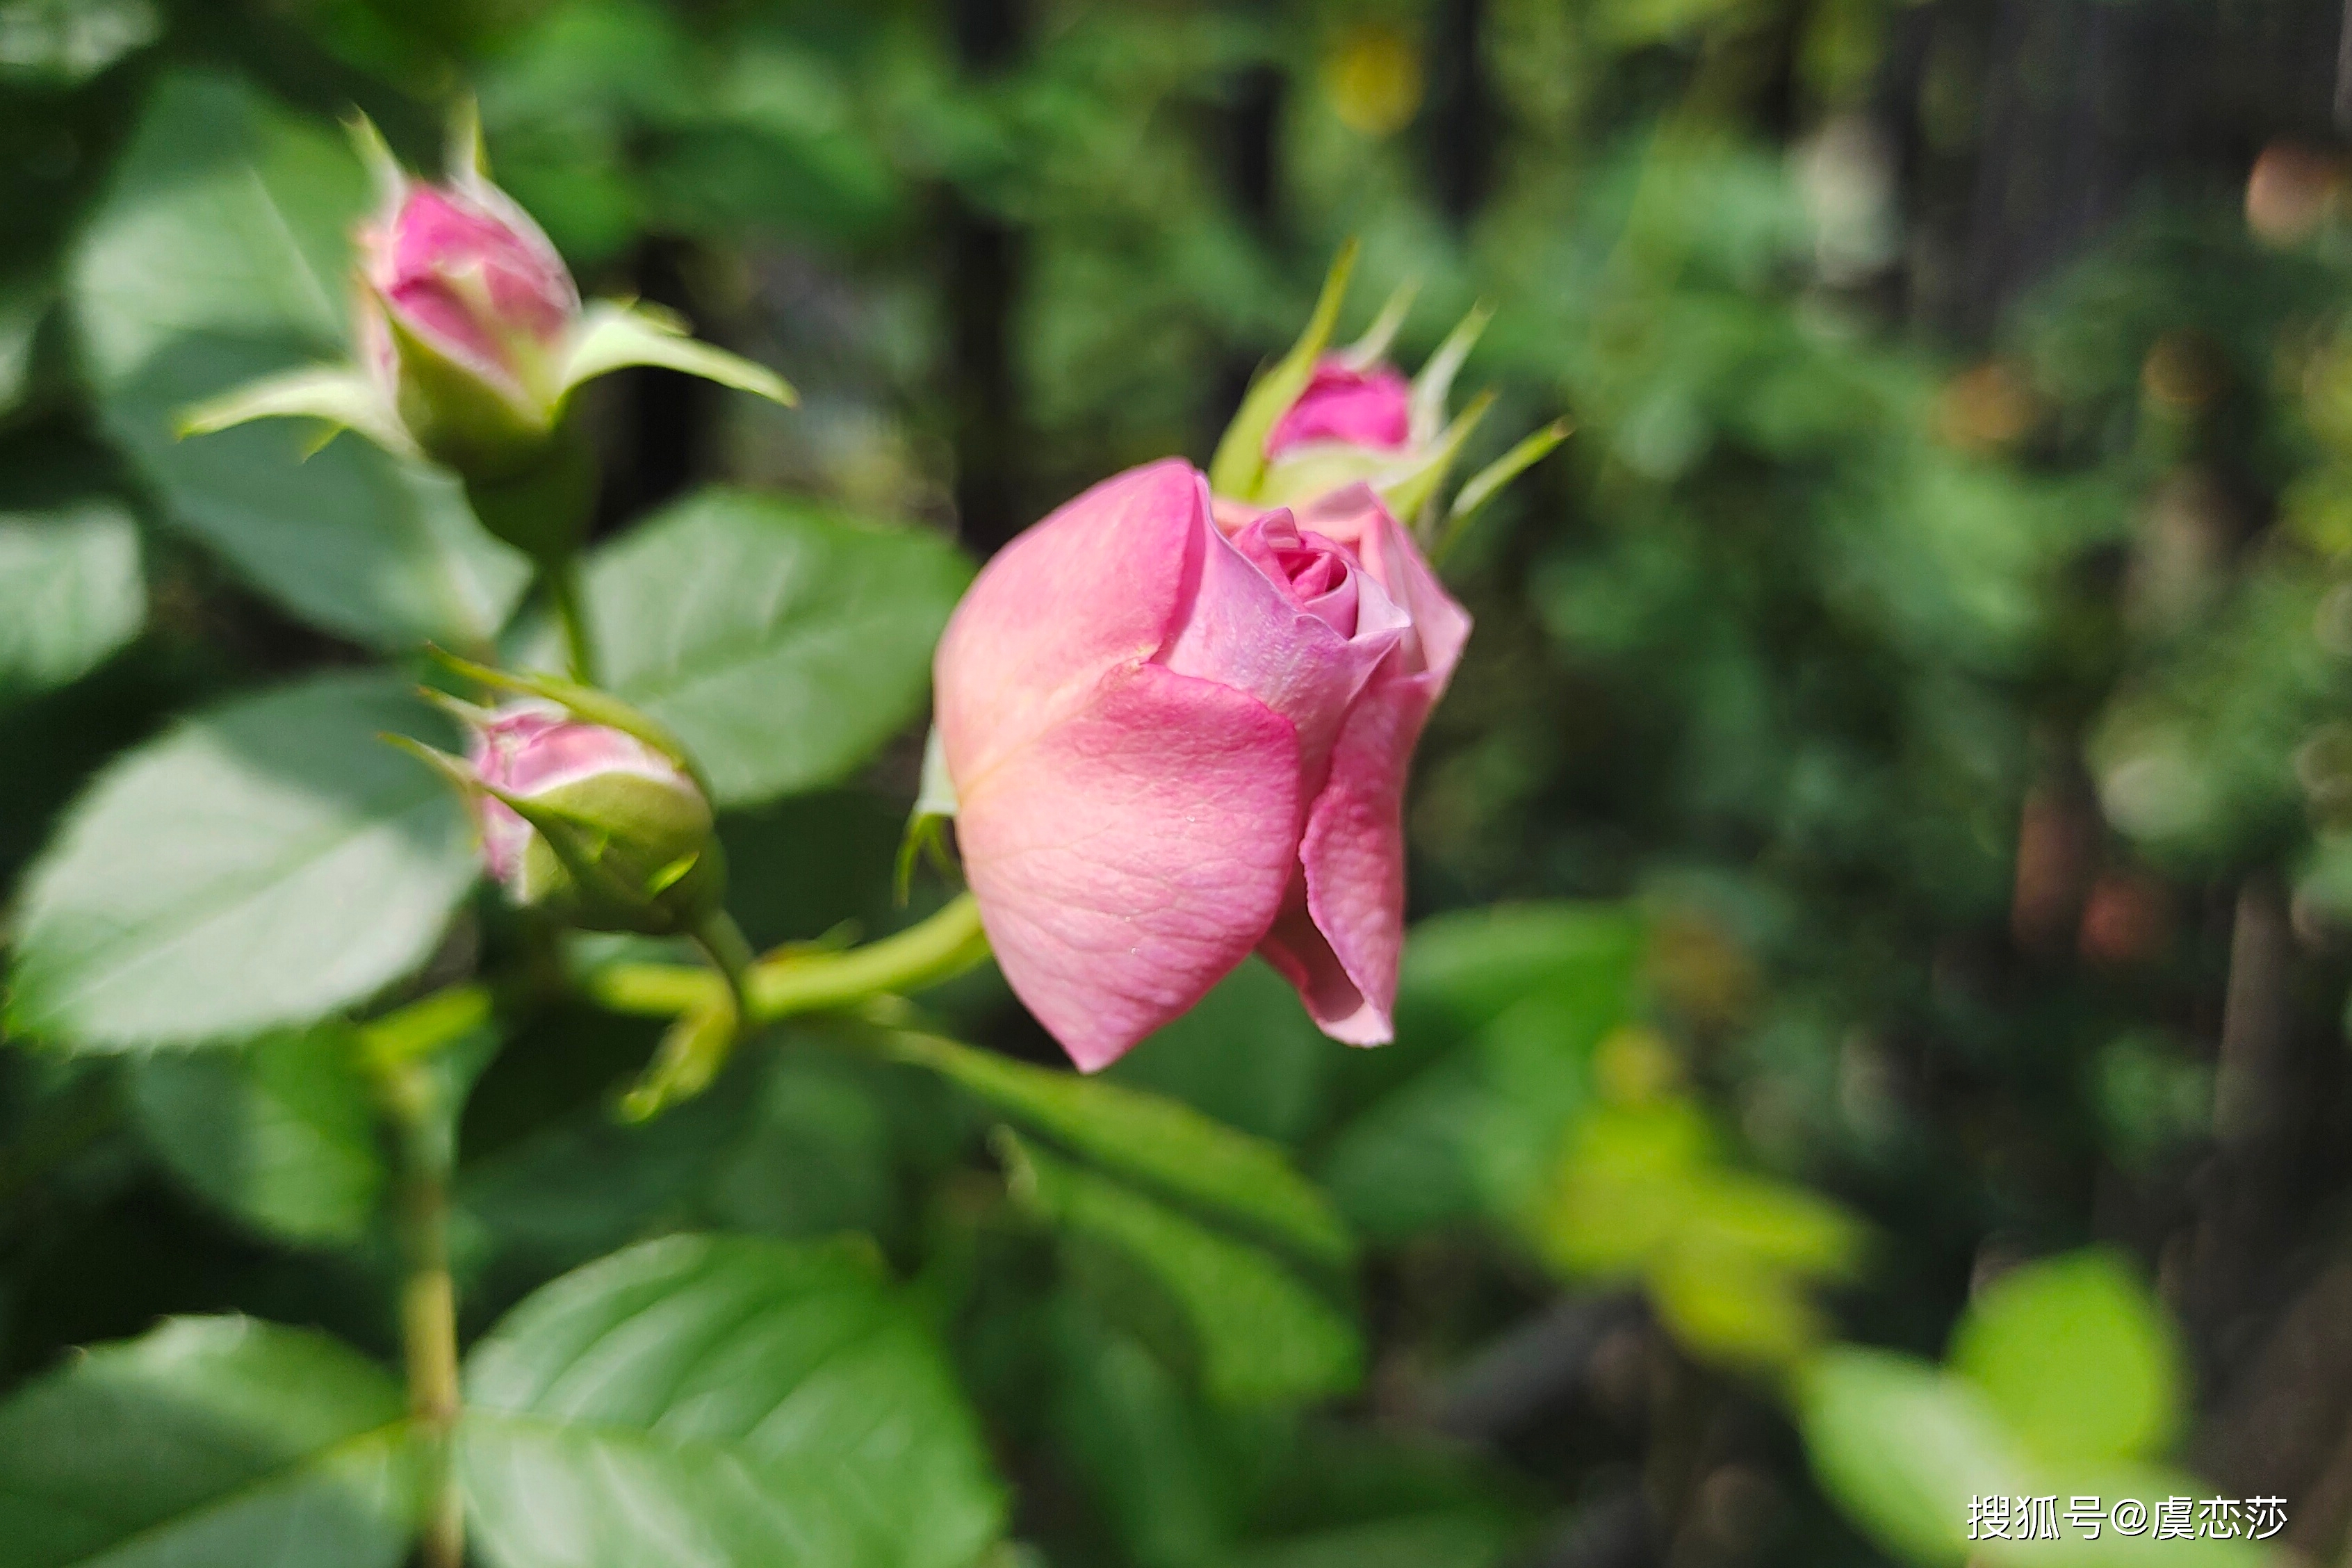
[936, 950]
[572, 614]
[730, 953]
[429, 1300]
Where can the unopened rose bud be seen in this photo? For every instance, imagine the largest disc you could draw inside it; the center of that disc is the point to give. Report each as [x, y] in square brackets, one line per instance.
[591, 824]
[472, 312]
[1316, 423]
[470, 341]
[1368, 408]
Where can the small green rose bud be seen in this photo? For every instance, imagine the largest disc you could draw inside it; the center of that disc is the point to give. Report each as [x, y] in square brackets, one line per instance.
[591, 824]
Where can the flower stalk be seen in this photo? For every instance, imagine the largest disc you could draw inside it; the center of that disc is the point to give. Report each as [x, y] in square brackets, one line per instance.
[795, 981]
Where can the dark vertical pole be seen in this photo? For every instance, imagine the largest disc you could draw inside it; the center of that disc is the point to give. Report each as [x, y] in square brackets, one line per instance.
[983, 289]
[664, 415]
[1253, 174]
[1461, 130]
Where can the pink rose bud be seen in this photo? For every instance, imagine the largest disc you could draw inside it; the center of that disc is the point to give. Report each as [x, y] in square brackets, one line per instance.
[473, 312]
[1177, 735]
[1367, 407]
[591, 824]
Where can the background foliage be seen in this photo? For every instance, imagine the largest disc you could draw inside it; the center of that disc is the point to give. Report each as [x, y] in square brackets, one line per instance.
[1874, 1033]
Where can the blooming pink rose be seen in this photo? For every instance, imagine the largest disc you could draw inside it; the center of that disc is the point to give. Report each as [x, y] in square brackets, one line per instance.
[1176, 736]
[1361, 407]
[466, 273]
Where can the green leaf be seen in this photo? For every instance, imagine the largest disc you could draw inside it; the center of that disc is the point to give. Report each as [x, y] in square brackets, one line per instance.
[1141, 1447]
[1245, 1054]
[70, 594]
[1163, 1142]
[262, 865]
[721, 1400]
[1260, 1334]
[220, 256]
[1903, 1448]
[2077, 1357]
[781, 641]
[208, 1443]
[281, 1133]
[1462, 970]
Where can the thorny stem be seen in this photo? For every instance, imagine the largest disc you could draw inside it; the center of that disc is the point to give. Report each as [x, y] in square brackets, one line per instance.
[429, 1299]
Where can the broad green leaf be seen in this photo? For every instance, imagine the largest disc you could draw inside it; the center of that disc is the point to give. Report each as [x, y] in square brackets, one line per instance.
[281, 1133]
[781, 641]
[1903, 1448]
[721, 1400]
[70, 594]
[1138, 1445]
[2077, 1357]
[1163, 1142]
[1245, 1054]
[1259, 1332]
[261, 865]
[220, 255]
[208, 1443]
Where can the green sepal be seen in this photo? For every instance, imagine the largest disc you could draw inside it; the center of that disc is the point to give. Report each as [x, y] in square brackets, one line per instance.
[1412, 494]
[926, 834]
[1484, 485]
[385, 177]
[1434, 382]
[618, 851]
[1240, 461]
[340, 396]
[477, 422]
[611, 335]
[1369, 349]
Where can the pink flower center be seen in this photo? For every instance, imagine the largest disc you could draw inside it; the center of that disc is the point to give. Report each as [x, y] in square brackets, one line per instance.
[1360, 408]
[1318, 574]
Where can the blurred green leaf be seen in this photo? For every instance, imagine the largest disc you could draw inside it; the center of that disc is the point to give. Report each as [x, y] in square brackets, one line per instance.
[207, 1443]
[1259, 1332]
[1903, 1447]
[722, 1399]
[1141, 1449]
[782, 642]
[70, 594]
[1462, 970]
[218, 255]
[1166, 1145]
[1245, 1054]
[280, 1132]
[2077, 1357]
[263, 864]
[1409, 1163]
